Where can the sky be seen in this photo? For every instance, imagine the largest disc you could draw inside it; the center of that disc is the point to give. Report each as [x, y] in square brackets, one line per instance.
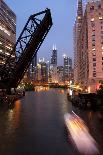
[61, 34]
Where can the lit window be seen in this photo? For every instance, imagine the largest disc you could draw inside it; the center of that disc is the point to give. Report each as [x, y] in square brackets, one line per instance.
[0, 43]
[92, 19]
[102, 47]
[4, 30]
[100, 18]
[79, 17]
[94, 54]
[93, 49]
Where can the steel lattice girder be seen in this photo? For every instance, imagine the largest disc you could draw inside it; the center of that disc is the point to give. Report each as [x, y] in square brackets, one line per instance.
[26, 47]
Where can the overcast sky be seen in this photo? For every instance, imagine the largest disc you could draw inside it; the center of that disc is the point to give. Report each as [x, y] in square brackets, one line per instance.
[63, 15]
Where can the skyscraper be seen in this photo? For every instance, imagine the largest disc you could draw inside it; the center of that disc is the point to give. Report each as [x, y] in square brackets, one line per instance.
[54, 56]
[66, 68]
[89, 47]
[60, 74]
[7, 31]
[53, 66]
[31, 73]
[42, 72]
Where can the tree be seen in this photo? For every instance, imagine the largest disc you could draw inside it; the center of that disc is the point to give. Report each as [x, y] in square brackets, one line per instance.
[100, 91]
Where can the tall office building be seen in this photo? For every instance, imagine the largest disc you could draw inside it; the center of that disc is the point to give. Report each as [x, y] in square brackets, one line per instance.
[42, 72]
[54, 56]
[53, 66]
[70, 69]
[31, 72]
[89, 48]
[60, 70]
[7, 31]
[66, 68]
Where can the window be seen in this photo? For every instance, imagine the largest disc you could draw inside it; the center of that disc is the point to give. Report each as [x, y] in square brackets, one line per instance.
[101, 32]
[100, 18]
[101, 37]
[101, 27]
[94, 74]
[94, 64]
[101, 22]
[93, 24]
[102, 58]
[99, 6]
[93, 44]
[102, 42]
[93, 54]
[94, 59]
[94, 69]
[91, 8]
[92, 19]
[93, 33]
[102, 63]
[93, 37]
[93, 49]
[93, 28]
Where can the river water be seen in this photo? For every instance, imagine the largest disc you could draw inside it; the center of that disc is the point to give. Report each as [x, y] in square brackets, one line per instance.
[35, 125]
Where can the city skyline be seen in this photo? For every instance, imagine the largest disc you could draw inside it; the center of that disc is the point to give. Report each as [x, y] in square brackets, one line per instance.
[62, 20]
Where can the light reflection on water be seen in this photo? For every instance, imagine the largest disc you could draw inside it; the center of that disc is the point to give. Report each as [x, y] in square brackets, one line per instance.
[14, 117]
[41, 88]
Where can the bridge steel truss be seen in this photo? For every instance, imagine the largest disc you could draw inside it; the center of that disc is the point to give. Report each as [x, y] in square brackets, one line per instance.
[26, 47]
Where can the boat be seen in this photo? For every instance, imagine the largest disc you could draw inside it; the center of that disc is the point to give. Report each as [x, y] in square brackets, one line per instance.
[80, 135]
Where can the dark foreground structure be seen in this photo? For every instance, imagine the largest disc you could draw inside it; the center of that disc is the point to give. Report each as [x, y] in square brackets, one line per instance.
[26, 47]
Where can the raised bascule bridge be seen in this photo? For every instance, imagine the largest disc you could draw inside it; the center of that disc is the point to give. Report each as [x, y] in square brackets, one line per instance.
[25, 49]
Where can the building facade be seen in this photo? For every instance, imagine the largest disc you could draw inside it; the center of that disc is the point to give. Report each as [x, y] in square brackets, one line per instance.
[60, 74]
[76, 32]
[53, 77]
[41, 72]
[66, 68]
[89, 48]
[7, 31]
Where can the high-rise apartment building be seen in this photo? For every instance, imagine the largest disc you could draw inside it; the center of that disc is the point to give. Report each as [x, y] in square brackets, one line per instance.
[89, 47]
[7, 31]
[77, 29]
